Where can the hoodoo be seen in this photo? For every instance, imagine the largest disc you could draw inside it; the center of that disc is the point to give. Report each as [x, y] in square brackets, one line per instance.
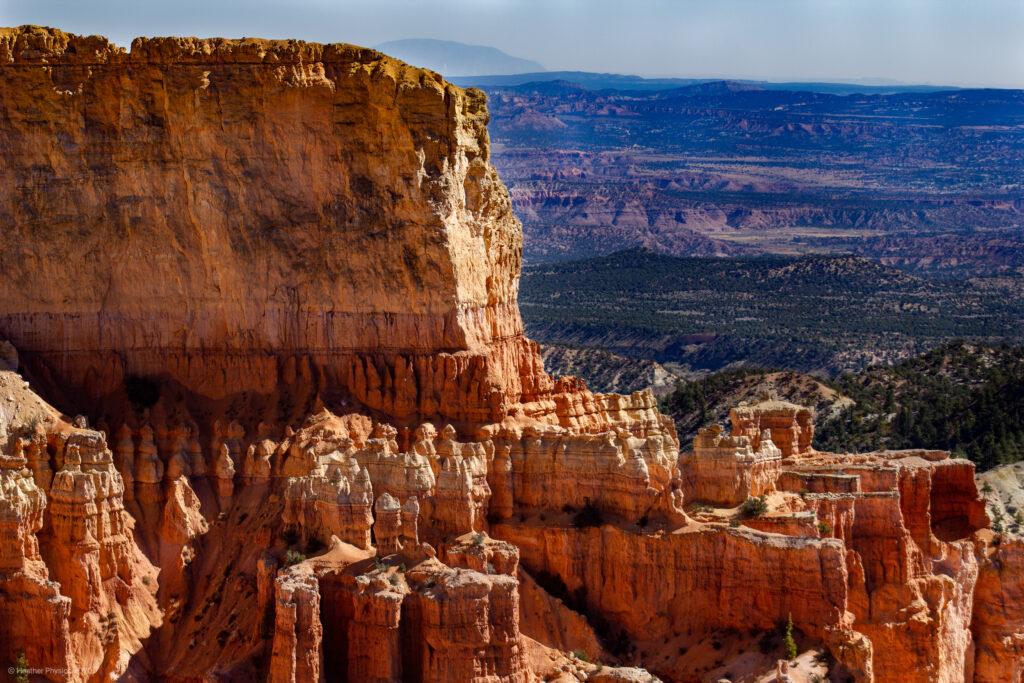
[272, 416]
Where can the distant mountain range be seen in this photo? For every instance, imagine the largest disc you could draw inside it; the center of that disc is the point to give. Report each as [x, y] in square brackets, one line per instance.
[926, 181]
[920, 177]
[485, 67]
[599, 81]
[452, 59]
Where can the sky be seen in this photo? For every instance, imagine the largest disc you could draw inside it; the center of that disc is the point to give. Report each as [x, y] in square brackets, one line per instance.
[944, 42]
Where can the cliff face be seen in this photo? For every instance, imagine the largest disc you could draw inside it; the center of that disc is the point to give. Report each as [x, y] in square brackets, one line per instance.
[205, 208]
[280, 279]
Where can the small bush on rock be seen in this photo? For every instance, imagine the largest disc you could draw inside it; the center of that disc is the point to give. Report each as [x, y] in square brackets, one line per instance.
[755, 507]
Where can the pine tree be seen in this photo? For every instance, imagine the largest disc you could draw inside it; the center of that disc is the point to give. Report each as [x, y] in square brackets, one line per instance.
[788, 641]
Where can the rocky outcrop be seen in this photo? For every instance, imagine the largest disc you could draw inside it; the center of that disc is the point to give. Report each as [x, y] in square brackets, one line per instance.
[335, 503]
[427, 623]
[298, 635]
[30, 604]
[998, 618]
[547, 619]
[395, 525]
[791, 427]
[704, 578]
[726, 470]
[895, 564]
[74, 593]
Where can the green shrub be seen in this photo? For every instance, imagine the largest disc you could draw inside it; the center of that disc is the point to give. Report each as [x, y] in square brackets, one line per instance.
[755, 507]
[292, 557]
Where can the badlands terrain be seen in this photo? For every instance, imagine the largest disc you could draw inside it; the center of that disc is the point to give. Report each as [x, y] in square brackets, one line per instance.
[929, 181]
[268, 412]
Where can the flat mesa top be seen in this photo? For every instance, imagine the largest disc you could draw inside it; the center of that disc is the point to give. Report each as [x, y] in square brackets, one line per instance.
[765, 406]
[44, 46]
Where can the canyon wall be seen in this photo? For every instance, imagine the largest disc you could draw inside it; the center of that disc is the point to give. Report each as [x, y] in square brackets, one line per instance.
[279, 280]
[204, 208]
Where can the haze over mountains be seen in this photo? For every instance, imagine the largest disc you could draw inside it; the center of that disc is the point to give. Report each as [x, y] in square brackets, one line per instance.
[452, 58]
[607, 81]
[483, 66]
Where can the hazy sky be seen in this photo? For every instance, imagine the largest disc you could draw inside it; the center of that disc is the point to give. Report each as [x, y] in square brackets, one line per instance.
[951, 42]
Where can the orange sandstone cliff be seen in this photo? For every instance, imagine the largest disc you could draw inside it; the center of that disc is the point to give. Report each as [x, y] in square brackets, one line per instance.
[279, 280]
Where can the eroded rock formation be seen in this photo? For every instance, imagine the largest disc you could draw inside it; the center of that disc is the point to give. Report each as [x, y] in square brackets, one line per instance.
[726, 470]
[77, 594]
[281, 279]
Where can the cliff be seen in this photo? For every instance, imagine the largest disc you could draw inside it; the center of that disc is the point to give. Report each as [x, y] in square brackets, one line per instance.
[280, 279]
[204, 209]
